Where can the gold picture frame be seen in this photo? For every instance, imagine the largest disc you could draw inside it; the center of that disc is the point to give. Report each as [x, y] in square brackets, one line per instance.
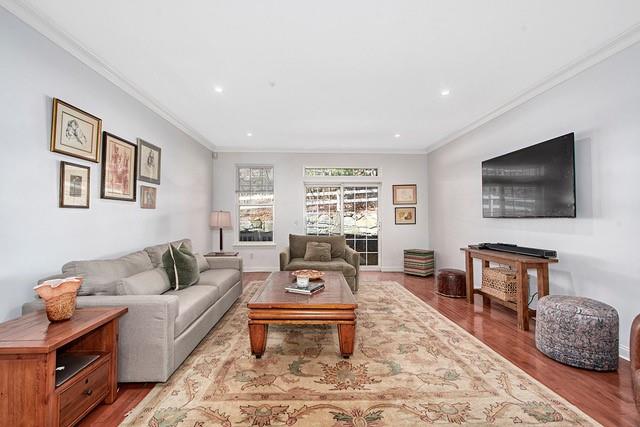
[405, 215]
[75, 186]
[148, 197]
[75, 132]
[119, 162]
[405, 194]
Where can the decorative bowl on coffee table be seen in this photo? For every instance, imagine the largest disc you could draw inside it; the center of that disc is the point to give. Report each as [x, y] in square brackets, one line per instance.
[311, 274]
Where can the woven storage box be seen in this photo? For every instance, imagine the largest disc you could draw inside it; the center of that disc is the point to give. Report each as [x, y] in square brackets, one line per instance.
[500, 282]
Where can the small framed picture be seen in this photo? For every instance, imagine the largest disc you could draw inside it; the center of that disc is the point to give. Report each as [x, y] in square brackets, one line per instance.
[118, 168]
[75, 132]
[74, 185]
[406, 215]
[147, 197]
[405, 194]
[148, 162]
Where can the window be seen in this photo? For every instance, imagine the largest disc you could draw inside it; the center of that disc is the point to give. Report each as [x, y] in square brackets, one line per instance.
[351, 210]
[308, 171]
[254, 190]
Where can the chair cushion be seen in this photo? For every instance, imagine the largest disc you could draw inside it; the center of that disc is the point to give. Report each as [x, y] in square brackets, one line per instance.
[298, 244]
[193, 301]
[155, 252]
[181, 267]
[223, 278]
[336, 264]
[318, 251]
[100, 276]
[150, 282]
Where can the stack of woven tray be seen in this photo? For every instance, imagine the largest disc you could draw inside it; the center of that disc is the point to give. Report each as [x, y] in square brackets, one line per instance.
[419, 262]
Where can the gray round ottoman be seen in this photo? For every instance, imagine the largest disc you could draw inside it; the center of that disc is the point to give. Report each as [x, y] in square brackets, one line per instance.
[578, 331]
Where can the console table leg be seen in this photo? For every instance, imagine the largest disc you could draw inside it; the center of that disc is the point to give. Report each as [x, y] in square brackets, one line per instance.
[346, 336]
[469, 268]
[522, 297]
[543, 280]
[258, 338]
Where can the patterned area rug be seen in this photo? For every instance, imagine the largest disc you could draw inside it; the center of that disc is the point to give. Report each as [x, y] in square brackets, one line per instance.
[411, 366]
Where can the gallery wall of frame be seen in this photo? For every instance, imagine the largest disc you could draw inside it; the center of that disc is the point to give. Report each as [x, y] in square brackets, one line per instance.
[79, 134]
[405, 194]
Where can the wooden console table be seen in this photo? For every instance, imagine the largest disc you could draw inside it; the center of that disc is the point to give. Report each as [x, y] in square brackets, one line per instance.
[29, 347]
[521, 264]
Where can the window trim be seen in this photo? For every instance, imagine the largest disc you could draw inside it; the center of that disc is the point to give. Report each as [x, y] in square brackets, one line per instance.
[236, 239]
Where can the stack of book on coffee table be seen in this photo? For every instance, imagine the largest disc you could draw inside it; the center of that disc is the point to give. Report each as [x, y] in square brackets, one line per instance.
[312, 288]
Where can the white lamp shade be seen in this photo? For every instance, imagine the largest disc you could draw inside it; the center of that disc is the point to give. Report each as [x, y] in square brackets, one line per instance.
[220, 219]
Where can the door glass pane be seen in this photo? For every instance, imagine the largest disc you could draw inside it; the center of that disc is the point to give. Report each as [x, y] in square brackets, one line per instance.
[360, 219]
[322, 210]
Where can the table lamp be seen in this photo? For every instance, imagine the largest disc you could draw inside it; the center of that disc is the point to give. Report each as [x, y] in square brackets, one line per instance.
[221, 220]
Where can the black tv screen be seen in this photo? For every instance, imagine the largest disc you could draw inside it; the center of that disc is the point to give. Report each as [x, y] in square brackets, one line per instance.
[534, 182]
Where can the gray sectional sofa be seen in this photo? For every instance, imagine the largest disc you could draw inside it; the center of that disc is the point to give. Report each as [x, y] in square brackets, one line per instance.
[162, 326]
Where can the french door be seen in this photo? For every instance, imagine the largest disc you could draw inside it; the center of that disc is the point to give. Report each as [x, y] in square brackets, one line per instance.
[350, 210]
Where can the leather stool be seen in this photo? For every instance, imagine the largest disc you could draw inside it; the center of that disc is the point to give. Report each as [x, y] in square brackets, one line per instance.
[451, 283]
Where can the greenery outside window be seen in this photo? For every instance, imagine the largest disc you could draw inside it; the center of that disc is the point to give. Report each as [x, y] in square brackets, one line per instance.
[255, 200]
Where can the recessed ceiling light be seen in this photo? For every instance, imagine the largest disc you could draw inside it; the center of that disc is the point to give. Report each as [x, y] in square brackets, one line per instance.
[249, 134]
[445, 92]
[397, 135]
[218, 89]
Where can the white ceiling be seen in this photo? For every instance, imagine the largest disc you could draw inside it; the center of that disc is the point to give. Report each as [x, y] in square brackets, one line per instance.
[328, 75]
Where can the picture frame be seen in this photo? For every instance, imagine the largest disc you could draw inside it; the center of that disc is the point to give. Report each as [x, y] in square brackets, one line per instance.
[404, 216]
[405, 194]
[148, 197]
[149, 162]
[75, 186]
[119, 168]
[75, 132]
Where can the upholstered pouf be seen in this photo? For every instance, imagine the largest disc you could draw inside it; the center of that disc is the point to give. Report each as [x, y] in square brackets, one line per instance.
[451, 283]
[578, 331]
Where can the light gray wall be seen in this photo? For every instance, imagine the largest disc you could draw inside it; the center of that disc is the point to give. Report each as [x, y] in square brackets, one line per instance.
[598, 249]
[289, 200]
[37, 237]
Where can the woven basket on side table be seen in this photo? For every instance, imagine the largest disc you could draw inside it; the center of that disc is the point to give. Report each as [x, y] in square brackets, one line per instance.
[500, 282]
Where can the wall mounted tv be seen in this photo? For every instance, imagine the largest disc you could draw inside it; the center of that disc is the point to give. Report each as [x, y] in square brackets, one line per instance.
[534, 182]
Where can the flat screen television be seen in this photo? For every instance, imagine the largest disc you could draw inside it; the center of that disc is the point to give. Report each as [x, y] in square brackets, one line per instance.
[534, 182]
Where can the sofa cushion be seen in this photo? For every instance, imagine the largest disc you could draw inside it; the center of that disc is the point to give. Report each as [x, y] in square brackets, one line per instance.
[100, 276]
[298, 244]
[150, 282]
[318, 251]
[181, 266]
[203, 265]
[336, 264]
[156, 252]
[192, 302]
[223, 278]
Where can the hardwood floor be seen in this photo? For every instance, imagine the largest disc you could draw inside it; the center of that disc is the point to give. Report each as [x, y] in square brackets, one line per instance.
[604, 396]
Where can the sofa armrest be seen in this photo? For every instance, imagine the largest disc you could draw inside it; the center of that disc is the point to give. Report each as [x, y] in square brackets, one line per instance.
[218, 262]
[146, 333]
[285, 257]
[353, 258]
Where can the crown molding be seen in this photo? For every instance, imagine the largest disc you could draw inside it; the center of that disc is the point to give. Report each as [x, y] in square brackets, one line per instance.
[624, 40]
[66, 41]
[230, 149]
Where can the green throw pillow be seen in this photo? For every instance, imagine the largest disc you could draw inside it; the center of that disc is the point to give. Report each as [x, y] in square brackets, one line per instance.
[181, 266]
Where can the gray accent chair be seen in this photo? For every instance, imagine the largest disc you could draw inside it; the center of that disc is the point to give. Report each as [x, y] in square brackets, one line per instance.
[163, 326]
[343, 258]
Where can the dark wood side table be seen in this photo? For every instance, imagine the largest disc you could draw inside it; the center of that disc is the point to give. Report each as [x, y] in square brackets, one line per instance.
[29, 347]
[520, 263]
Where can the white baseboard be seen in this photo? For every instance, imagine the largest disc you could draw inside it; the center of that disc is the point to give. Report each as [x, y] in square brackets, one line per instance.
[392, 269]
[260, 269]
[624, 352]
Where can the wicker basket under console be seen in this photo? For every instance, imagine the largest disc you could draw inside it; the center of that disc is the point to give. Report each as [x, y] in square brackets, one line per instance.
[500, 282]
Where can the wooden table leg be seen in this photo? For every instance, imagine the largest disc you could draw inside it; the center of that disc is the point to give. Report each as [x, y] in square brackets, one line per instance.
[486, 301]
[258, 338]
[469, 267]
[111, 343]
[543, 280]
[522, 297]
[346, 336]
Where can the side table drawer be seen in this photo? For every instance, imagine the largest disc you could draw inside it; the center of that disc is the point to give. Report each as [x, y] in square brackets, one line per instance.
[84, 394]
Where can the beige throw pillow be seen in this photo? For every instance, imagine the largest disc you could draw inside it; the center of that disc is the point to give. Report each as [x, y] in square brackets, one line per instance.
[317, 251]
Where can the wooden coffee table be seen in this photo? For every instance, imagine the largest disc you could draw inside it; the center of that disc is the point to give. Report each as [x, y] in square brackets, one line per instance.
[334, 305]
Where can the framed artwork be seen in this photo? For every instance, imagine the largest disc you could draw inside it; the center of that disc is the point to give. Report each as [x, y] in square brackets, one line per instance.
[147, 197]
[75, 132]
[405, 194]
[118, 168]
[406, 215]
[148, 162]
[74, 185]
